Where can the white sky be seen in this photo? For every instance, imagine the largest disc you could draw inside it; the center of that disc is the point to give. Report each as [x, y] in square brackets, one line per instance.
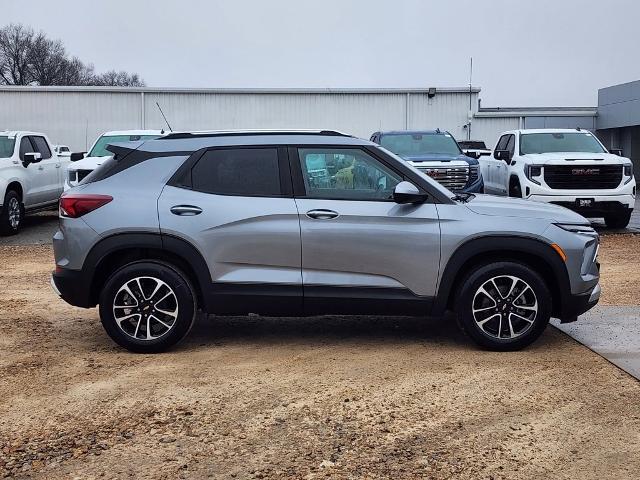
[526, 52]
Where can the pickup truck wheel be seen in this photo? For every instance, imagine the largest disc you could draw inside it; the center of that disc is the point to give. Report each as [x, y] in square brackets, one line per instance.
[618, 220]
[12, 214]
[503, 306]
[147, 306]
[515, 190]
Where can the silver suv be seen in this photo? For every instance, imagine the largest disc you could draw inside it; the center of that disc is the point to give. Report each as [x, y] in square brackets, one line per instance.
[294, 223]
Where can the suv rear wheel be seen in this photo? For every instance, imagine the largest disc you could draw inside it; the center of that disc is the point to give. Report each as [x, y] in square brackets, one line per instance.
[147, 306]
[503, 306]
[12, 213]
[618, 220]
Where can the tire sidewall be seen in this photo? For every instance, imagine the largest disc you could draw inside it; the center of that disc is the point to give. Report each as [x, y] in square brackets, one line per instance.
[469, 288]
[172, 277]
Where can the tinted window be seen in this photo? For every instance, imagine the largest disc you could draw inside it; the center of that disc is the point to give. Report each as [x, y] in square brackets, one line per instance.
[502, 143]
[347, 174]
[242, 171]
[41, 146]
[25, 147]
[511, 143]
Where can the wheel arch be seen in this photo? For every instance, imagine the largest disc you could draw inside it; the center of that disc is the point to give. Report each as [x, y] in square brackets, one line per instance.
[17, 187]
[534, 253]
[113, 252]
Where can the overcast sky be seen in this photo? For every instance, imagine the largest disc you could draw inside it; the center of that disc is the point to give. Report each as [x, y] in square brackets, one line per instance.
[525, 52]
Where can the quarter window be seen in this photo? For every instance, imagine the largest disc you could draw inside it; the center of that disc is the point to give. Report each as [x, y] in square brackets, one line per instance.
[242, 172]
[346, 174]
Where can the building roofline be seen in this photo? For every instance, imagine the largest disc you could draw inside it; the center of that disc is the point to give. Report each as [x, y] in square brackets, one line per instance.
[507, 112]
[421, 90]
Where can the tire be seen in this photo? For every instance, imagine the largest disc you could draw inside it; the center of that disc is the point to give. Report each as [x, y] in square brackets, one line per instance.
[515, 190]
[12, 214]
[510, 327]
[618, 220]
[157, 322]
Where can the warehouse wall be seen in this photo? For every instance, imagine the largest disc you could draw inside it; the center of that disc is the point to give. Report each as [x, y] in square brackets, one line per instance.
[76, 116]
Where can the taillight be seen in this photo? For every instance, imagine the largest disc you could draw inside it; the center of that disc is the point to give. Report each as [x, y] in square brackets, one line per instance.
[75, 205]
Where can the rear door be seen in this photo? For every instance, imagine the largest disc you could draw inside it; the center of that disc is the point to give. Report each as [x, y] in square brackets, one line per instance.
[361, 251]
[235, 205]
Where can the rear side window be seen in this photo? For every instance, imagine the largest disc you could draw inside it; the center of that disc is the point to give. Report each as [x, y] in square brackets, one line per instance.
[240, 171]
[41, 146]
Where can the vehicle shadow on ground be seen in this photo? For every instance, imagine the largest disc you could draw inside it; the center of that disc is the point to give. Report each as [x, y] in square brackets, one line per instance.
[331, 330]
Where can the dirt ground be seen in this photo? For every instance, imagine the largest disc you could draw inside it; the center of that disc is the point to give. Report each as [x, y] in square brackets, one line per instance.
[306, 398]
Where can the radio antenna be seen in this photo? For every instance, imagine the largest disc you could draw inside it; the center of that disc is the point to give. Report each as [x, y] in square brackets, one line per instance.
[163, 116]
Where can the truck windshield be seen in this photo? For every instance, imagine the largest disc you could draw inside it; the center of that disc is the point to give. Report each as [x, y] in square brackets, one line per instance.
[6, 146]
[559, 142]
[100, 148]
[413, 144]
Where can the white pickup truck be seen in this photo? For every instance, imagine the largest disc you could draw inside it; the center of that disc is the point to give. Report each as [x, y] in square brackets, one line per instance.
[570, 168]
[31, 177]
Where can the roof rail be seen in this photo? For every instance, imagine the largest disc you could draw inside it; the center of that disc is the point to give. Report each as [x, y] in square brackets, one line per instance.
[233, 133]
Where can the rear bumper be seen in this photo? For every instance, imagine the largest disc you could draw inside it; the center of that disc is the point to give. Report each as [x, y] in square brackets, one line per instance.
[575, 305]
[72, 287]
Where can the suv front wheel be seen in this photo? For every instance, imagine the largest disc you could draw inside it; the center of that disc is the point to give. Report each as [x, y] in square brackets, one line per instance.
[147, 306]
[503, 306]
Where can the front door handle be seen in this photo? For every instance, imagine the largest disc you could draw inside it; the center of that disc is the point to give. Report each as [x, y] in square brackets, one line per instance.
[322, 214]
[186, 210]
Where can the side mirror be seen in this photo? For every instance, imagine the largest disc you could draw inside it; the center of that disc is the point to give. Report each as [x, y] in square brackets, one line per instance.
[31, 157]
[472, 154]
[502, 155]
[616, 151]
[407, 192]
[75, 156]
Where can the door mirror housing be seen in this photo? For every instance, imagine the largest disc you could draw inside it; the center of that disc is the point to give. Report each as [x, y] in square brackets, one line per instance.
[502, 155]
[31, 157]
[616, 151]
[407, 192]
[75, 156]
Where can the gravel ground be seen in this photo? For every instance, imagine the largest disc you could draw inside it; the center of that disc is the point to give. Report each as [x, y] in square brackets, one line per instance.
[305, 398]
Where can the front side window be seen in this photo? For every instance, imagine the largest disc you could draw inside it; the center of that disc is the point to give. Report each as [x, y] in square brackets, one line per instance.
[559, 142]
[238, 171]
[511, 145]
[7, 144]
[41, 146]
[415, 144]
[25, 147]
[100, 147]
[346, 174]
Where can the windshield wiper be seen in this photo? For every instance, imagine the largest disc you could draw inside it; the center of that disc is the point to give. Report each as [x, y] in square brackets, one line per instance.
[463, 197]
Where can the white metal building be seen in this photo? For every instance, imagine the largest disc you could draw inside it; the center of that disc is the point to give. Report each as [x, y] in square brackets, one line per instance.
[77, 115]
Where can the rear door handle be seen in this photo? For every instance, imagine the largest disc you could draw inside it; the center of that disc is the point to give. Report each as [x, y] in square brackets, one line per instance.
[322, 214]
[186, 210]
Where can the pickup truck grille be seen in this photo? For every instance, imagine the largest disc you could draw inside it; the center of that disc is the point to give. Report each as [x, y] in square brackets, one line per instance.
[583, 177]
[453, 178]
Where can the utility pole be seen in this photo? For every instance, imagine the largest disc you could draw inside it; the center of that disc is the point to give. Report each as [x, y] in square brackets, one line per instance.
[470, 114]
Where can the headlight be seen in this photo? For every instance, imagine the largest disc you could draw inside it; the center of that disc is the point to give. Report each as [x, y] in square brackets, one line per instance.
[577, 228]
[473, 173]
[73, 175]
[532, 171]
[628, 170]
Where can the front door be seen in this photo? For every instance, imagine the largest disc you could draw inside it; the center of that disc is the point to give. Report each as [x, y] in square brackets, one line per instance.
[236, 207]
[49, 165]
[360, 249]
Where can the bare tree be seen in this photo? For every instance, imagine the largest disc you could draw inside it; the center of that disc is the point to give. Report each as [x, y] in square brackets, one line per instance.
[15, 47]
[27, 58]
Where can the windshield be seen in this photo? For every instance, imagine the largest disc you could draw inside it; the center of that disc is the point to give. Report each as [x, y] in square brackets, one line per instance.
[559, 142]
[6, 146]
[415, 144]
[99, 149]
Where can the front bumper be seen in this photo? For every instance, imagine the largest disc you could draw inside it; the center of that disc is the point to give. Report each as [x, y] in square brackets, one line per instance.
[575, 305]
[476, 187]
